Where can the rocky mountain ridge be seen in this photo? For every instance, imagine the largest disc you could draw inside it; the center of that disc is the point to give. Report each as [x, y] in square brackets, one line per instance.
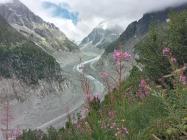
[24, 65]
[138, 29]
[45, 34]
[102, 35]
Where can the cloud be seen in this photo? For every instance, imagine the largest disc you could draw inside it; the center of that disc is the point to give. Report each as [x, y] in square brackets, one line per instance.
[92, 12]
[61, 10]
[5, 1]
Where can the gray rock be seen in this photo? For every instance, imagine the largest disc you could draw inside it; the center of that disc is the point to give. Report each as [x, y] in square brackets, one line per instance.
[102, 35]
[45, 34]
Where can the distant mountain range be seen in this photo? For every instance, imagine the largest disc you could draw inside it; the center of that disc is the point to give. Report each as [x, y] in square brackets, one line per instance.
[102, 35]
[45, 34]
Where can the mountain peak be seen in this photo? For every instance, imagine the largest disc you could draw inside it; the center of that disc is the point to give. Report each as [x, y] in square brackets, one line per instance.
[16, 1]
[105, 25]
[102, 35]
[32, 26]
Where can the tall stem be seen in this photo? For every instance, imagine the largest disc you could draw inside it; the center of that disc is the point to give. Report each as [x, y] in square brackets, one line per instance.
[120, 73]
[7, 119]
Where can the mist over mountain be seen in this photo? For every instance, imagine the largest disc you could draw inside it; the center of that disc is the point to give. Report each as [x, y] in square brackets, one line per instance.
[102, 35]
[137, 30]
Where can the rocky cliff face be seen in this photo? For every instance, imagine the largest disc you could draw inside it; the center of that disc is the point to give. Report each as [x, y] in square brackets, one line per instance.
[47, 35]
[18, 91]
[102, 35]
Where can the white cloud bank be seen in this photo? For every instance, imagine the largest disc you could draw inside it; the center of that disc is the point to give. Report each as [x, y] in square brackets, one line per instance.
[5, 1]
[92, 12]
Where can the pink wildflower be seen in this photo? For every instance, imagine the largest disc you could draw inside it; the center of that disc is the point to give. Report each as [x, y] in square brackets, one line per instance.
[104, 75]
[119, 55]
[127, 56]
[111, 114]
[183, 79]
[142, 83]
[143, 90]
[125, 130]
[97, 96]
[166, 51]
[78, 126]
[84, 112]
[173, 60]
[15, 133]
[113, 125]
[89, 97]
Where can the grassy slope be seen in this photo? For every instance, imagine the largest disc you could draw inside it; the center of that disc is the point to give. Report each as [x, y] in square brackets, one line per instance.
[162, 114]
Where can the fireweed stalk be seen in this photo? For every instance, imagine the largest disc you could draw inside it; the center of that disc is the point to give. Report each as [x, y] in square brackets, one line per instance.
[6, 117]
[86, 87]
[120, 57]
[143, 90]
[92, 100]
[111, 82]
[117, 126]
[180, 77]
[172, 60]
[105, 76]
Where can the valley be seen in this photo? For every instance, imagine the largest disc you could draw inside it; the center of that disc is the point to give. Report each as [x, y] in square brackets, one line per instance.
[52, 110]
[67, 74]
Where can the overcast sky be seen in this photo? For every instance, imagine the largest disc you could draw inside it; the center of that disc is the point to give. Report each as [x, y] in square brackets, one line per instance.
[76, 18]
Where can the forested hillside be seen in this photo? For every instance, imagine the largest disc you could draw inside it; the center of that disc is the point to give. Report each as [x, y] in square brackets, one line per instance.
[23, 59]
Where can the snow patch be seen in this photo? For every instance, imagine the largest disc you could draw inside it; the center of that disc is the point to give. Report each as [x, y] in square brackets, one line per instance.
[168, 20]
[108, 25]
